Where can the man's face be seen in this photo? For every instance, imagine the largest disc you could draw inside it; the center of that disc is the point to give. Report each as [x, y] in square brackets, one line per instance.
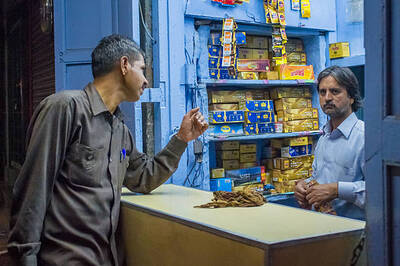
[334, 99]
[135, 80]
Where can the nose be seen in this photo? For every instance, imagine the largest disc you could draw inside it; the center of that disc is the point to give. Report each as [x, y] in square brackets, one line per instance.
[328, 96]
[145, 83]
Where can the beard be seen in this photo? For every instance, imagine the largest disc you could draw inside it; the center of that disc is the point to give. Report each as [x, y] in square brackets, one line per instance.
[334, 112]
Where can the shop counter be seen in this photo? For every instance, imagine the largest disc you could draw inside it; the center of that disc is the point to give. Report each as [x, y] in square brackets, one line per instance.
[164, 228]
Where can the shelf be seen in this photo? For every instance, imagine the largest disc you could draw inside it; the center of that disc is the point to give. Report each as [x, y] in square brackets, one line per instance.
[265, 136]
[255, 83]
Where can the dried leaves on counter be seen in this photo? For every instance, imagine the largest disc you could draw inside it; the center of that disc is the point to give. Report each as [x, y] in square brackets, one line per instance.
[324, 208]
[245, 198]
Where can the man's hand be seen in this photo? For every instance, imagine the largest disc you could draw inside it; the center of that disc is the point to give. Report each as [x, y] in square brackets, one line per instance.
[192, 126]
[321, 193]
[300, 193]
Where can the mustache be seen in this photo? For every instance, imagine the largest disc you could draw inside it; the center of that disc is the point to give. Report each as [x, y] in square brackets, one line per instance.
[329, 105]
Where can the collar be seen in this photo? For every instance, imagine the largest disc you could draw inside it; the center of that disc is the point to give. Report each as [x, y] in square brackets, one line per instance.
[345, 127]
[96, 102]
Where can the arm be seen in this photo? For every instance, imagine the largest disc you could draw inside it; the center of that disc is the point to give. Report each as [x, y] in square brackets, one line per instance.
[32, 192]
[145, 174]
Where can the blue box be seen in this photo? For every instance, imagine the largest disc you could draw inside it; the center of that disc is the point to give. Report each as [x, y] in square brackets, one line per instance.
[259, 105]
[214, 73]
[250, 129]
[226, 116]
[234, 116]
[263, 128]
[215, 38]
[246, 175]
[267, 117]
[213, 62]
[240, 37]
[221, 184]
[294, 151]
[215, 50]
[226, 129]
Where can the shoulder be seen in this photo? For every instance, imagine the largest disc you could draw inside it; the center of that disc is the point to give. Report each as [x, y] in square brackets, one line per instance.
[359, 127]
[63, 99]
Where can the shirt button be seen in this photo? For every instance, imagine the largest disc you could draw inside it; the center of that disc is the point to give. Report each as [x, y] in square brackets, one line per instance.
[90, 157]
[110, 160]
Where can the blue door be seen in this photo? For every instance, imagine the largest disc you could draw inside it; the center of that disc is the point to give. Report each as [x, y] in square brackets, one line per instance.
[382, 117]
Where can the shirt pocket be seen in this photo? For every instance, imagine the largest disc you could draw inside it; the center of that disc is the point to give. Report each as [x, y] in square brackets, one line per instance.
[84, 165]
[123, 166]
[345, 164]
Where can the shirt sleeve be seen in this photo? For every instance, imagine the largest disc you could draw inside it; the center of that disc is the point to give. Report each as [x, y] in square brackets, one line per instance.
[354, 192]
[145, 173]
[48, 135]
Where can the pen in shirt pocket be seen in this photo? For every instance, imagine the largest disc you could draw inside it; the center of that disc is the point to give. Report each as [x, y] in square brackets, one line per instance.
[122, 155]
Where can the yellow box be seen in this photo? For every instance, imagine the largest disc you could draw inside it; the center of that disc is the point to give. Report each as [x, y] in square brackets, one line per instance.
[218, 173]
[228, 155]
[339, 49]
[260, 54]
[272, 75]
[295, 141]
[287, 72]
[256, 95]
[230, 164]
[292, 103]
[226, 96]
[227, 145]
[294, 162]
[300, 125]
[290, 92]
[297, 114]
[246, 53]
[297, 57]
[260, 42]
[248, 165]
[248, 157]
[290, 174]
[248, 148]
[248, 75]
[256, 187]
[223, 107]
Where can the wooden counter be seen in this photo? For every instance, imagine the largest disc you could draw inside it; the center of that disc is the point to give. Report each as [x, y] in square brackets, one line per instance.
[163, 228]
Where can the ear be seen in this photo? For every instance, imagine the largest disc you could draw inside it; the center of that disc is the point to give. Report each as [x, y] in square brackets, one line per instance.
[351, 100]
[124, 65]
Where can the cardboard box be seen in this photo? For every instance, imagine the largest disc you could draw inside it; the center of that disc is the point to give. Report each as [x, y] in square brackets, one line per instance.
[259, 105]
[259, 117]
[214, 51]
[250, 129]
[248, 75]
[290, 92]
[290, 174]
[228, 164]
[287, 72]
[240, 38]
[294, 45]
[223, 107]
[297, 114]
[260, 54]
[297, 57]
[292, 103]
[248, 148]
[246, 53]
[221, 184]
[246, 175]
[215, 38]
[227, 145]
[293, 163]
[254, 186]
[300, 125]
[248, 165]
[214, 73]
[254, 65]
[248, 157]
[295, 141]
[264, 128]
[293, 151]
[228, 155]
[226, 96]
[271, 75]
[256, 95]
[339, 49]
[218, 173]
[226, 129]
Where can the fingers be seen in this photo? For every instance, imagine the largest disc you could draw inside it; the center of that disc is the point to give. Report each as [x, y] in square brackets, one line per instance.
[193, 111]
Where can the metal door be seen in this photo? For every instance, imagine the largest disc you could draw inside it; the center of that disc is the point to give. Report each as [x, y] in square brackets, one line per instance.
[382, 117]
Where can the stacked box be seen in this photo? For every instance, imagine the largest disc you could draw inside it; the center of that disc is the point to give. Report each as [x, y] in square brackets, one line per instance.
[292, 103]
[293, 151]
[297, 114]
[300, 125]
[290, 92]
[218, 173]
[225, 129]
[226, 96]
[228, 154]
[246, 175]
[292, 163]
[225, 116]
[221, 184]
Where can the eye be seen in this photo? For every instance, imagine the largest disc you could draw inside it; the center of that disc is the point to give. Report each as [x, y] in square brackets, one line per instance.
[322, 92]
[335, 91]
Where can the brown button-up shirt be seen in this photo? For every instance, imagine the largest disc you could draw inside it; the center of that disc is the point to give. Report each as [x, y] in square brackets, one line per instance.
[66, 199]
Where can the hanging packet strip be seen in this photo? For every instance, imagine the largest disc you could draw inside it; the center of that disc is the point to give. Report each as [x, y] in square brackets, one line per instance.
[305, 9]
[281, 6]
[267, 15]
[273, 15]
[283, 33]
[296, 5]
[228, 37]
[282, 19]
[228, 24]
[227, 50]
[273, 3]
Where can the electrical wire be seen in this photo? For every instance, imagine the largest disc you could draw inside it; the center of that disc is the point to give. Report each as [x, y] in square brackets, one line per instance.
[144, 24]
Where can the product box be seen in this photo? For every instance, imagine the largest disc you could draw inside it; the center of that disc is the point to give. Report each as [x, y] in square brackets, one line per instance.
[297, 114]
[292, 103]
[259, 105]
[292, 163]
[218, 173]
[215, 38]
[287, 72]
[246, 53]
[227, 145]
[293, 151]
[228, 164]
[240, 38]
[228, 155]
[246, 175]
[248, 148]
[256, 94]
[300, 125]
[339, 49]
[214, 73]
[248, 165]
[214, 62]
[226, 96]
[256, 65]
[294, 45]
[248, 157]
[221, 184]
[260, 54]
[284, 186]
[291, 174]
[248, 75]
[295, 141]
[264, 128]
[250, 129]
[297, 57]
[254, 186]
[225, 129]
[268, 163]
[290, 92]
[223, 107]
[259, 117]
[214, 51]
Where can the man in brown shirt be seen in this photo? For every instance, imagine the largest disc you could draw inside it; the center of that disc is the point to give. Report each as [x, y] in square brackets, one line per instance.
[66, 200]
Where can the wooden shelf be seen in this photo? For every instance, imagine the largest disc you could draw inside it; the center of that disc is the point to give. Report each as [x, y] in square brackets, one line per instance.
[255, 83]
[264, 136]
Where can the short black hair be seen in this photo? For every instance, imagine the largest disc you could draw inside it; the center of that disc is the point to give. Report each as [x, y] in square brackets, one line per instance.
[345, 78]
[110, 50]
